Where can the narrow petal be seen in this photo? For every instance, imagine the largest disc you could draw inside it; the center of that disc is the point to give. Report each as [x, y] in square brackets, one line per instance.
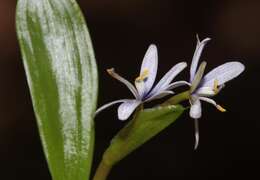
[110, 104]
[223, 73]
[209, 91]
[159, 95]
[140, 86]
[127, 108]
[197, 79]
[163, 84]
[196, 132]
[112, 73]
[149, 67]
[205, 91]
[177, 84]
[195, 109]
[195, 60]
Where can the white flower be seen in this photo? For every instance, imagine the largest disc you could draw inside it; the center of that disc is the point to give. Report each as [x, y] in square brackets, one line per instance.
[142, 90]
[204, 87]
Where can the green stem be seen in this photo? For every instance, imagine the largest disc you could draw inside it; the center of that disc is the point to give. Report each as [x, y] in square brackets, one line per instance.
[102, 171]
[108, 159]
[177, 98]
[109, 156]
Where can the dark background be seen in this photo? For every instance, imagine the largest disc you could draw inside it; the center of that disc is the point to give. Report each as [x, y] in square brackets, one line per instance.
[121, 32]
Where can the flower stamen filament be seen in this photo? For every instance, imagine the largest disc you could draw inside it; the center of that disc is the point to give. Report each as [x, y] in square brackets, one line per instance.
[111, 71]
[220, 108]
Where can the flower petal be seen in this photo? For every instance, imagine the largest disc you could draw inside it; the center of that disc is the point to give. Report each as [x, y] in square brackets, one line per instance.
[112, 73]
[127, 108]
[195, 109]
[196, 56]
[159, 95]
[140, 86]
[163, 84]
[110, 104]
[223, 73]
[197, 79]
[177, 84]
[197, 134]
[205, 91]
[150, 65]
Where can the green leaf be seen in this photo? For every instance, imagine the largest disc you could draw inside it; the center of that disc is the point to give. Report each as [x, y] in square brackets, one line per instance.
[62, 76]
[142, 128]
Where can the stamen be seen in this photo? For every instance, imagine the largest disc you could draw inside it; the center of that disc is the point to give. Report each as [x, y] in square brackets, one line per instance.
[220, 108]
[111, 71]
[215, 88]
[143, 76]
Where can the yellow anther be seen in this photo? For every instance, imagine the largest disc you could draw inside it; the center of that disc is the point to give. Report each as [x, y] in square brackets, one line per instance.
[221, 108]
[143, 75]
[215, 88]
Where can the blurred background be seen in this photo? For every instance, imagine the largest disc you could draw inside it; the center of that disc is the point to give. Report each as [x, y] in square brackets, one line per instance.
[121, 32]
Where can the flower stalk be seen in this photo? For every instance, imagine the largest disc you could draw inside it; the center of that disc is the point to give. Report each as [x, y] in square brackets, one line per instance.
[109, 158]
[178, 98]
[122, 144]
[103, 171]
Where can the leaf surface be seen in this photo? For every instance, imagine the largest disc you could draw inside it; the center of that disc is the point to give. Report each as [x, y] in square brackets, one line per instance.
[62, 76]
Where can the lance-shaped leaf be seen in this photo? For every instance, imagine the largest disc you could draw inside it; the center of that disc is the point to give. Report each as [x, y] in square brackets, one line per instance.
[62, 76]
[142, 128]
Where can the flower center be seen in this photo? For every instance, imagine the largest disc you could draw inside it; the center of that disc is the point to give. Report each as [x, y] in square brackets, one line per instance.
[143, 76]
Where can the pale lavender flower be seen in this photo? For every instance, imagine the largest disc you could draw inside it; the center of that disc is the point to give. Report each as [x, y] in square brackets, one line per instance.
[143, 90]
[202, 88]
